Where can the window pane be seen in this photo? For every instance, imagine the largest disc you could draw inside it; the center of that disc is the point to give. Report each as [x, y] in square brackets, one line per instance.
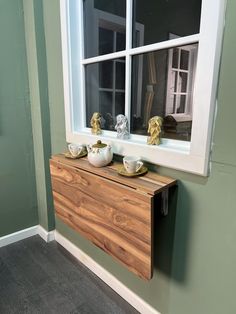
[120, 41]
[120, 103]
[184, 60]
[174, 80]
[175, 61]
[105, 74]
[104, 26]
[184, 81]
[162, 91]
[105, 92]
[120, 74]
[106, 39]
[161, 20]
[181, 105]
[105, 101]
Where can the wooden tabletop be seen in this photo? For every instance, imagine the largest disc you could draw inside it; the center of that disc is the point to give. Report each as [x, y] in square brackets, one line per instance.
[150, 183]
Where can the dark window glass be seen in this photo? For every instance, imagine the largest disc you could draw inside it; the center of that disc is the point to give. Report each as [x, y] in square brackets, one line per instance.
[184, 60]
[175, 80]
[120, 74]
[162, 91]
[162, 20]
[105, 102]
[104, 26]
[174, 104]
[181, 104]
[175, 61]
[106, 41]
[183, 81]
[106, 74]
[120, 103]
[120, 41]
[105, 92]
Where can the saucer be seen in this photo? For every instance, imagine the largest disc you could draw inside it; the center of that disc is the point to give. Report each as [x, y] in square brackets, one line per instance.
[122, 171]
[82, 154]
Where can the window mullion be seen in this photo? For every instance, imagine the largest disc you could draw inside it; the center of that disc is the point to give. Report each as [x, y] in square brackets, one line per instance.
[177, 99]
[114, 78]
[109, 56]
[82, 67]
[128, 58]
[114, 89]
[167, 44]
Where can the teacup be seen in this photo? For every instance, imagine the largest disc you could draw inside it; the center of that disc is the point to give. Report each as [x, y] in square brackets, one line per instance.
[75, 149]
[132, 164]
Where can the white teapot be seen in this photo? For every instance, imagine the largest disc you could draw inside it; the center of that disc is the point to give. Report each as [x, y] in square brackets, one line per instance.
[99, 154]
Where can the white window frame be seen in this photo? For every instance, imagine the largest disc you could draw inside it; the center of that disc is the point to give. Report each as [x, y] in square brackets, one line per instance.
[187, 156]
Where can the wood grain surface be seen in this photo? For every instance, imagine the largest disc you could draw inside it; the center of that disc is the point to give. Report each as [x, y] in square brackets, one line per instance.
[113, 212]
[152, 183]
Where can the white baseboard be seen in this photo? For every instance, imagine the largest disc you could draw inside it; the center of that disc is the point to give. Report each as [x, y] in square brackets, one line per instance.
[26, 233]
[47, 236]
[128, 295]
[19, 235]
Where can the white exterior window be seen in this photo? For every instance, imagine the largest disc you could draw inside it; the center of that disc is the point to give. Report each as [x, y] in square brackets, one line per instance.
[144, 58]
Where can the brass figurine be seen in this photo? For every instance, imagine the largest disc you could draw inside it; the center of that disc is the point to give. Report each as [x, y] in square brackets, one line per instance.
[96, 123]
[154, 129]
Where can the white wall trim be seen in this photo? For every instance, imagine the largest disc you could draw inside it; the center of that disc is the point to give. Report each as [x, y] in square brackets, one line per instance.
[128, 295]
[26, 233]
[47, 236]
[19, 235]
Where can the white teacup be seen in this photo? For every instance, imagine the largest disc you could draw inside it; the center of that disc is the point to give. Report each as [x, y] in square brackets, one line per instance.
[75, 149]
[132, 164]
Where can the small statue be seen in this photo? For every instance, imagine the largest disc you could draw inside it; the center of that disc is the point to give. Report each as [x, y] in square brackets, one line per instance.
[154, 129]
[96, 123]
[122, 127]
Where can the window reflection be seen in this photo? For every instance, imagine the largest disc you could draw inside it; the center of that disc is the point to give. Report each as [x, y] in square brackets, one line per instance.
[105, 91]
[162, 81]
[104, 26]
[162, 84]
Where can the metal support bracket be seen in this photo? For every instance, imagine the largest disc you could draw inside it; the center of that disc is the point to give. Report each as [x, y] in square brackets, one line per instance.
[165, 202]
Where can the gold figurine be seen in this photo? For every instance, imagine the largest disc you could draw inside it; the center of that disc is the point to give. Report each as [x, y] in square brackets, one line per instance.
[154, 129]
[96, 123]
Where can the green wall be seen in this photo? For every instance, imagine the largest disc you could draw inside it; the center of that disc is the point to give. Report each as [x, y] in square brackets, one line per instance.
[38, 85]
[195, 251]
[18, 203]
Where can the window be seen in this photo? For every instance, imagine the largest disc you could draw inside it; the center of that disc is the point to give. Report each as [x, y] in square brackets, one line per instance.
[181, 71]
[144, 58]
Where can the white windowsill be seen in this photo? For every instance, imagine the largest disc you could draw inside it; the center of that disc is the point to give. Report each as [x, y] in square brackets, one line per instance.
[171, 153]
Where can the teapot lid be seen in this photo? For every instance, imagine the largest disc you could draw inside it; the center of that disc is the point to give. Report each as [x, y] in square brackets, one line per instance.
[99, 144]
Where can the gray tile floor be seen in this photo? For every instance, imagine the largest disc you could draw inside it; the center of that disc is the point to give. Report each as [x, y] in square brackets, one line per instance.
[39, 277]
